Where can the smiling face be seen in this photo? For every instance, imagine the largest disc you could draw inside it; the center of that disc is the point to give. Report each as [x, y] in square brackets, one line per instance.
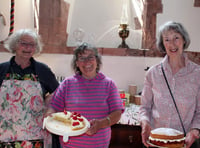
[26, 47]
[87, 64]
[173, 43]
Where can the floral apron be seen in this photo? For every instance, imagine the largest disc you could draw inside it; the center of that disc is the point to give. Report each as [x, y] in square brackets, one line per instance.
[21, 114]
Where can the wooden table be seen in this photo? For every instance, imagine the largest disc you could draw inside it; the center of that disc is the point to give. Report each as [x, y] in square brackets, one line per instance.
[127, 133]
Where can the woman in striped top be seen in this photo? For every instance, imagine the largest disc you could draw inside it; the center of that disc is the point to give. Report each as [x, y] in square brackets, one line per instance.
[93, 95]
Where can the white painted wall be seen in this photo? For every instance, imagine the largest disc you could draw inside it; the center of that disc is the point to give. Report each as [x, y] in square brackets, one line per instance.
[100, 20]
[23, 16]
[123, 70]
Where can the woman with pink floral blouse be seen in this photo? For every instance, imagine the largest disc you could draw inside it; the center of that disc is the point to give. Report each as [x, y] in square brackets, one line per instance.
[157, 106]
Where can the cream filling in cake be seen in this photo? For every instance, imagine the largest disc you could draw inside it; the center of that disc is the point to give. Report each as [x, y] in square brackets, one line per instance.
[62, 117]
[166, 140]
[166, 135]
[74, 119]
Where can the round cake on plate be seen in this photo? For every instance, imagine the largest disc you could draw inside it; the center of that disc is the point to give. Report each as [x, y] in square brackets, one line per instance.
[167, 137]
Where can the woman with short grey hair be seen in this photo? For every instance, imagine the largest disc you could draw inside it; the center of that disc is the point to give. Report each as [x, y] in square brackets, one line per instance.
[176, 27]
[176, 106]
[15, 38]
[26, 86]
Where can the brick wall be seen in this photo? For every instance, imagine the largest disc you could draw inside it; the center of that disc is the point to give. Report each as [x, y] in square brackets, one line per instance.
[197, 3]
[53, 24]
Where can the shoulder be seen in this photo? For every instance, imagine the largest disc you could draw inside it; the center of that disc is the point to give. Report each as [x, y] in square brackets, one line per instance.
[4, 66]
[191, 66]
[43, 71]
[7, 63]
[39, 64]
[103, 77]
[154, 69]
[106, 81]
[73, 79]
[41, 67]
[195, 65]
[3, 70]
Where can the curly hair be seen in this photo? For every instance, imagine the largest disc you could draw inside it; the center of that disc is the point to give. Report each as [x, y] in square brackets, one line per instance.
[11, 43]
[80, 50]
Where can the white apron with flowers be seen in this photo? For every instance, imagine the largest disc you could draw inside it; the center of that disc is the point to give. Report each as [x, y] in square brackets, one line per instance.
[21, 112]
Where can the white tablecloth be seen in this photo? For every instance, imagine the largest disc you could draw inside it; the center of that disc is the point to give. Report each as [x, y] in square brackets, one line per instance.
[130, 115]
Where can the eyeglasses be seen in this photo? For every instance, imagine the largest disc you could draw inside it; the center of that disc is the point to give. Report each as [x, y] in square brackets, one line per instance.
[89, 58]
[26, 44]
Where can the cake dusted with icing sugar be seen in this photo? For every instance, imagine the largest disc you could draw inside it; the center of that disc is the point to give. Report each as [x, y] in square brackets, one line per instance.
[167, 137]
[73, 119]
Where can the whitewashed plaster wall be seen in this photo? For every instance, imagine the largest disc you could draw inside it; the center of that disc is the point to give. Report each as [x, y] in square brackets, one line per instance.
[103, 27]
[23, 16]
[123, 70]
[99, 21]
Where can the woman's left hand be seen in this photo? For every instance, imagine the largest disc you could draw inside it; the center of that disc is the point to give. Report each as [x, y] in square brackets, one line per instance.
[191, 137]
[95, 125]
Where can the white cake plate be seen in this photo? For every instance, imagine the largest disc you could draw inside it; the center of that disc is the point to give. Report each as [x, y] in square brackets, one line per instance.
[62, 129]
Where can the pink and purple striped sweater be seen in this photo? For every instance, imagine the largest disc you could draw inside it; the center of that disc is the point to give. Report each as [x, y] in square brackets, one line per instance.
[94, 99]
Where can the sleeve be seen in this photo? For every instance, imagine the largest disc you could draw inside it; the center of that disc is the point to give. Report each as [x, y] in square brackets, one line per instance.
[114, 100]
[196, 117]
[146, 99]
[3, 70]
[46, 77]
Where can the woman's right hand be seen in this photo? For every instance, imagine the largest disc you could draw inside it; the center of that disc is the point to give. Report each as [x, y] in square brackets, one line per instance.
[146, 129]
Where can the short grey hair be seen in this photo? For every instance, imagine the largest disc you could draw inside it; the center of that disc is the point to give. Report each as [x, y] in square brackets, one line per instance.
[80, 50]
[12, 41]
[177, 27]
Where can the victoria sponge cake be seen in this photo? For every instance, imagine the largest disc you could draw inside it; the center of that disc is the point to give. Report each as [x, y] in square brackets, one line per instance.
[74, 119]
[167, 137]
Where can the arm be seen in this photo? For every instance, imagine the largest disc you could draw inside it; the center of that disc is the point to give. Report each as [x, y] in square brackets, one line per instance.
[194, 132]
[146, 101]
[49, 110]
[97, 124]
[145, 110]
[111, 119]
[146, 129]
[48, 99]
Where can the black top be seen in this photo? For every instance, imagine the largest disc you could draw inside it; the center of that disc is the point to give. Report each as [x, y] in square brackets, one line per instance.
[46, 77]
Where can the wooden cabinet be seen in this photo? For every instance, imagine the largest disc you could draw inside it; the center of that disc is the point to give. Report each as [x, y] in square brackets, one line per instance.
[126, 136]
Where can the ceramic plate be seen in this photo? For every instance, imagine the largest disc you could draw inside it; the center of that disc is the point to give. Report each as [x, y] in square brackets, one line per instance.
[62, 129]
[154, 145]
[157, 145]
